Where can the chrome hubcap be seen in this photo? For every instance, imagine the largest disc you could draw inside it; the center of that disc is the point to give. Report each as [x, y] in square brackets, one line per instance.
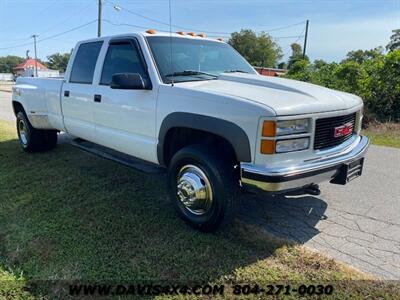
[23, 132]
[194, 190]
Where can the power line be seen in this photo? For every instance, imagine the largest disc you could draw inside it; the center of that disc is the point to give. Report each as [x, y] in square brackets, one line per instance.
[227, 35]
[74, 14]
[137, 14]
[38, 13]
[284, 27]
[52, 36]
[68, 31]
[49, 28]
[288, 37]
[47, 7]
[129, 25]
[188, 28]
[298, 38]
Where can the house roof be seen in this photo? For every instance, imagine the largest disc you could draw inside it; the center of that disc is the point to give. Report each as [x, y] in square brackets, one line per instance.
[29, 63]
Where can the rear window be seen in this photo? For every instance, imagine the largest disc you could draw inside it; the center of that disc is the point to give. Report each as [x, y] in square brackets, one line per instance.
[85, 63]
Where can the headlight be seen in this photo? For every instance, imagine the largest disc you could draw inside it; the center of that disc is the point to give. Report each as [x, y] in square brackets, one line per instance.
[285, 127]
[292, 127]
[292, 145]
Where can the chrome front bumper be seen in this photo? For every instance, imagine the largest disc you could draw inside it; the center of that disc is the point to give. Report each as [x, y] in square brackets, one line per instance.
[316, 170]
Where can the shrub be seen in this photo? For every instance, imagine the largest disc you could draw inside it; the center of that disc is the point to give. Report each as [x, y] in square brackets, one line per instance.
[376, 79]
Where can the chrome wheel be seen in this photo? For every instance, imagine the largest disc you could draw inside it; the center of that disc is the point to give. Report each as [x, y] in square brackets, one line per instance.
[194, 190]
[23, 132]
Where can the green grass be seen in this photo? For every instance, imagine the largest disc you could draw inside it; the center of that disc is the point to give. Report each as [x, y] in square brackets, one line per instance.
[68, 215]
[385, 134]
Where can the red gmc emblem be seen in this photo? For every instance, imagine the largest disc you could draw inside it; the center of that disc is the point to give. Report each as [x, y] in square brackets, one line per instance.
[343, 130]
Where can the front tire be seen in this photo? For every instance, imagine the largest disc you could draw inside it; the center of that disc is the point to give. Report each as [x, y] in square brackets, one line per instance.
[32, 139]
[203, 187]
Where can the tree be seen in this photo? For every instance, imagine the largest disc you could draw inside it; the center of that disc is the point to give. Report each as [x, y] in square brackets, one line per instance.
[58, 61]
[259, 50]
[384, 100]
[319, 64]
[300, 70]
[297, 54]
[361, 56]
[282, 65]
[7, 63]
[394, 43]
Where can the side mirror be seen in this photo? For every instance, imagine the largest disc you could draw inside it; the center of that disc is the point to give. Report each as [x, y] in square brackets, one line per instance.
[127, 81]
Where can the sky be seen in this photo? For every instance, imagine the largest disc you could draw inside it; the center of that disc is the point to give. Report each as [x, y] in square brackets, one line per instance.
[335, 27]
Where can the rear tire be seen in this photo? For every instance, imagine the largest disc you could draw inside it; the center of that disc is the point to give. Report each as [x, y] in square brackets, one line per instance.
[32, 139]
[203, 187]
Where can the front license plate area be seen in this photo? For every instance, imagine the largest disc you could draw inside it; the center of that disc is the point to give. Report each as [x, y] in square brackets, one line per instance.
[348, 172]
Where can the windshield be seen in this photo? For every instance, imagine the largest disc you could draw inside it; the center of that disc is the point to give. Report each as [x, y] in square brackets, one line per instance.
[195, 59]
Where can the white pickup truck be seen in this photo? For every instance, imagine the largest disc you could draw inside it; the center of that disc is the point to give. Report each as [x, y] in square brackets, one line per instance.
[194, 106]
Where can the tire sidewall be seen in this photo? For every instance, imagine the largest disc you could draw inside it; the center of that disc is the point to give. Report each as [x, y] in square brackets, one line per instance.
[198, 157]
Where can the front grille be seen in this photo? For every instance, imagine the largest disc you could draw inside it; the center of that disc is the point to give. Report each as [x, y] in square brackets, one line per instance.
[325, 129]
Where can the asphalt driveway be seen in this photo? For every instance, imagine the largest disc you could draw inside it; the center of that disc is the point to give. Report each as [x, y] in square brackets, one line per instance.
[6, 111]
[358, 223]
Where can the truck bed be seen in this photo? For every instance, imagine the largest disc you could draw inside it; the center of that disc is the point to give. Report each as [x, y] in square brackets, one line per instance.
[41, 100]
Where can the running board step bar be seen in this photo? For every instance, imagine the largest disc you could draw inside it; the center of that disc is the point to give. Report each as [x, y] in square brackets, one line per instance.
[117, 156]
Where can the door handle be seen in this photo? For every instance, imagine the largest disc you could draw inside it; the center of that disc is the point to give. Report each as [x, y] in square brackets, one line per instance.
[97, 98]
[66, 93]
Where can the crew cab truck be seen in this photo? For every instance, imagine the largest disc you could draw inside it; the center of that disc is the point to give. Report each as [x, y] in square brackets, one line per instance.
[194, 106]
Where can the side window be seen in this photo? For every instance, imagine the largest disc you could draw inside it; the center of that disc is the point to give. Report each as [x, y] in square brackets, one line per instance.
[121, 57]
[85, 63]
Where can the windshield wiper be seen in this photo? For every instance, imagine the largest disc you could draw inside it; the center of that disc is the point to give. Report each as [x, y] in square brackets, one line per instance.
[235, 71]
[190, 73]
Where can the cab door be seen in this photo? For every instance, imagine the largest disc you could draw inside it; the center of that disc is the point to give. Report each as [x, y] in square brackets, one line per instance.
[78, 92]
[125, 118]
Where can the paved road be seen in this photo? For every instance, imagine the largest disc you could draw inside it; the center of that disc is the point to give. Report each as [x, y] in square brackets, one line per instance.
[6, 111]
[358, 223]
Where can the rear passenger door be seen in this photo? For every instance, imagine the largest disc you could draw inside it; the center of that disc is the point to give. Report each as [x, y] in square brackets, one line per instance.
[77, 95]
[125, 119]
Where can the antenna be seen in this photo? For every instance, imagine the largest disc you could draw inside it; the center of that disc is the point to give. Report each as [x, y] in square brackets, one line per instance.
[170, 42]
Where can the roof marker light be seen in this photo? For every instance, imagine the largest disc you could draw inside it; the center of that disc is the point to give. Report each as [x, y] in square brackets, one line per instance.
[151, 31]
[181, 32]
[201, 35]
[191, 34]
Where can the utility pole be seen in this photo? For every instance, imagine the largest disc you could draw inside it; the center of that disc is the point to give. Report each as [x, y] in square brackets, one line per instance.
[305, 40]
[99, 19]
[34, 43]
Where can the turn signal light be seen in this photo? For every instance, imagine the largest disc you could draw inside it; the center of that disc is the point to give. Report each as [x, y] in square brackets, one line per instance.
[269, 128]
[268, 146]
[151, 31]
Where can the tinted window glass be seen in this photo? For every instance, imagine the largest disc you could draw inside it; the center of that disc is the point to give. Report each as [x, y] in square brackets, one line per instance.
[199, 55]
[121, 58]
[85, 62]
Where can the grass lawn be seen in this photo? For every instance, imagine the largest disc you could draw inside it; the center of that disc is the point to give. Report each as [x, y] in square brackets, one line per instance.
[68, 215]
[386, 134]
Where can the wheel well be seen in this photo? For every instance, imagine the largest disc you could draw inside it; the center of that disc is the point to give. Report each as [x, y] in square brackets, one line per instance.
[179, 137]
[17, 107]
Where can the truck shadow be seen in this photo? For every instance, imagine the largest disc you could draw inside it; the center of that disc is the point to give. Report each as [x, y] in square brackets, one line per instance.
[291, 217]
[70, 215]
